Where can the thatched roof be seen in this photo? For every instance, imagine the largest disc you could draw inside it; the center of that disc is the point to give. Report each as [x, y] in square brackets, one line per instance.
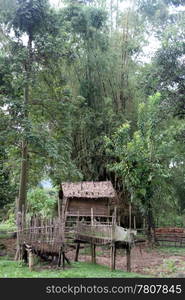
[88, 189]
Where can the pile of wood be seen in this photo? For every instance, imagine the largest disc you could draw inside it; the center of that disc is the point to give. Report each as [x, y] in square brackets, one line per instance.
[171, 236]
[170, 230]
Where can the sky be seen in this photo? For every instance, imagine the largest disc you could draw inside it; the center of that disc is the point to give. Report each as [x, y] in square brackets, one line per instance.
[58, 3]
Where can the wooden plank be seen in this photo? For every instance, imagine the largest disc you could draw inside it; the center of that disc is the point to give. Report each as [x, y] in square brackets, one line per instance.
[128, 254]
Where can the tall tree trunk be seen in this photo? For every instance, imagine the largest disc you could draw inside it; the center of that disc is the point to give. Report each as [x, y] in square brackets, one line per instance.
[21, 203]
[124, 63]
[24, 163]
[23, 177]
[111, 16]
[117, 13]
[151, 225]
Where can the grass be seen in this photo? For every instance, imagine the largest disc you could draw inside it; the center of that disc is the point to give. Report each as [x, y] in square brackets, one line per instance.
[13, 269]
[7, 227]
[4, 235]
[6, 230]
[171, 250]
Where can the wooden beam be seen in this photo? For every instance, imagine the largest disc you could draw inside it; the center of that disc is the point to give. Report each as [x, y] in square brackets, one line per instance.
[77, 251]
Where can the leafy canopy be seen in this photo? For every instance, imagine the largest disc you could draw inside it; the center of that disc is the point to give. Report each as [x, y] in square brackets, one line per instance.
[144, 157]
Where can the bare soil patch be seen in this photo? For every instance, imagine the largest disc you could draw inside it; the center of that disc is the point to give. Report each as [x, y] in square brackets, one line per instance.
[152, 262]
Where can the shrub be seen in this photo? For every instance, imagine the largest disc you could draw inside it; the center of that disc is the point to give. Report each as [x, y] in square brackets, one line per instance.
[41, 202]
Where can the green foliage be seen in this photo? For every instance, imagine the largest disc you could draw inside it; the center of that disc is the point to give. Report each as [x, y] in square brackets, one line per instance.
[170, 216]
[87, 77]
[4, 227]
[166, 72]
[85, 20]
[7, 186]
[143, 157]
[29, 15]
[41, 202]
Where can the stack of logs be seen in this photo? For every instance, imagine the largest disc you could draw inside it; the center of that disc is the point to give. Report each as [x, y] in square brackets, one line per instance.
[170, 236]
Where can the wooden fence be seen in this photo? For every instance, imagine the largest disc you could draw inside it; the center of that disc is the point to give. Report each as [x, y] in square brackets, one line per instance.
[95, 233]
[45, 235]
[49, 235]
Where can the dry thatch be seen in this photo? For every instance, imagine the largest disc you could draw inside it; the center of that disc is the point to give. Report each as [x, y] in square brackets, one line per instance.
[88, 189]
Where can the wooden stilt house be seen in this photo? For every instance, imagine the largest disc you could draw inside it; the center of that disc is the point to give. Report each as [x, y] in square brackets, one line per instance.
[81, 199]
[87, 215]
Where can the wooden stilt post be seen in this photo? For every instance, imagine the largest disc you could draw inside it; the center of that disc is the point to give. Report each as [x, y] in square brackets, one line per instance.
[115, 215]
[119, 220]
[113, 256]
[144, 223]
[19, 229]
[128, 253]
[92, 221]
[63, 260]
[134, 222]
[113, 245]
[25, 253]
[93, 253]
[30, 260]
[77, 251]
[59, 258]
[130, 216]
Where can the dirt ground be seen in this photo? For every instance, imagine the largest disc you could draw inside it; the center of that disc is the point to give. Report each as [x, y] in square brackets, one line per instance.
[145, 261]
[152, 262]
[10, 246]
